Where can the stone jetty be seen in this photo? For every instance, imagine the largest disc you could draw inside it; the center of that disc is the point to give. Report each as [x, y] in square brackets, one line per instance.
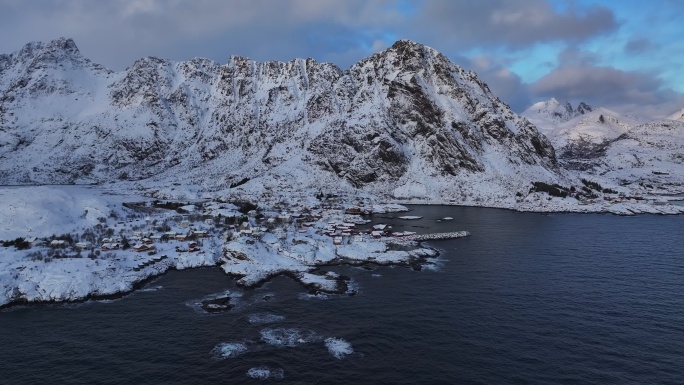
[413, 240]
[437, 236]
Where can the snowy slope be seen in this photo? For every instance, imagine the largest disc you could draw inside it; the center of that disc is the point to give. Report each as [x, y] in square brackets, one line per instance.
[41, 211]
[584, 138]
[405, 122]
[650, 154]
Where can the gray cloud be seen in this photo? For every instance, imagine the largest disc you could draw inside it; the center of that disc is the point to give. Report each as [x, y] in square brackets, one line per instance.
[625, 91]
[117, 33]
[503, 83]
[639, 45]
[514, 24]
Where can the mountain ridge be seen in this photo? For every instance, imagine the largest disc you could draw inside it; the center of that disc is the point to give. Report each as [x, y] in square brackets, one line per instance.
[398, 118]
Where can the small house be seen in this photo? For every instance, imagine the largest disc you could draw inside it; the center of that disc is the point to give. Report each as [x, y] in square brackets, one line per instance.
[37, 242]
[82, 245]
[200, 233]
[110, 246]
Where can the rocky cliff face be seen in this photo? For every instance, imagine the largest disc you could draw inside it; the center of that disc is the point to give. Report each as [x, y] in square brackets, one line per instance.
[406, 116]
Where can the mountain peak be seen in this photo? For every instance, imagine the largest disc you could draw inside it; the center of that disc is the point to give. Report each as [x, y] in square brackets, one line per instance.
[38, 54]
[551, 112]
[411, 48]
[64, 43]
[404, 43]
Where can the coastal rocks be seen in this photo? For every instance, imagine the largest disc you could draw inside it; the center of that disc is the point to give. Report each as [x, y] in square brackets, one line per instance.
[219, 302]
[320, 282]
[217, 305]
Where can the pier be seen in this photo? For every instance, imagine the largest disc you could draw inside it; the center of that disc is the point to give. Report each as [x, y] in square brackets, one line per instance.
[437, 236]
[412, 240]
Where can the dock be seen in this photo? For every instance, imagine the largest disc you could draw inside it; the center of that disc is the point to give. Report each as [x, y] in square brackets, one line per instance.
[437, 236]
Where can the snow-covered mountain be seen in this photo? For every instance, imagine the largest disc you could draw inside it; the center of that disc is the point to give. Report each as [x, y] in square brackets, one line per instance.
[621, 149]
[550, 113]
[405, 122]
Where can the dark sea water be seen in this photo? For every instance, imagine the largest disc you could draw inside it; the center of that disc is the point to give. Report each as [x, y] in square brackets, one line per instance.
[528, 299]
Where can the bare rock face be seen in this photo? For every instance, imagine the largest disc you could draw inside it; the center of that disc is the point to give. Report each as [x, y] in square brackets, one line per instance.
[393, 118]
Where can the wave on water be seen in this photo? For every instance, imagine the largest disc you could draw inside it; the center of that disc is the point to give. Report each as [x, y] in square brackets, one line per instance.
[229, 349]
[433, 264]
[264, 318]
[264, 372]
[226, 293]
[353, 287]
[338, 347]
[288, 337]
[308, 296]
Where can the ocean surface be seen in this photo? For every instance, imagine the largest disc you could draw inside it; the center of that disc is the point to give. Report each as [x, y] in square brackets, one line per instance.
[527, 299]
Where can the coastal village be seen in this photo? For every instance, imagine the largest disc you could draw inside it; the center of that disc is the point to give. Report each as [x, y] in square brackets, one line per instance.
[249, 243]
[296, 234]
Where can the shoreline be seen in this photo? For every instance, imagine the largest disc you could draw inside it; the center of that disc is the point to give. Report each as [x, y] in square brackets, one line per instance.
[311, 287]
[136, 286]
[623, 209]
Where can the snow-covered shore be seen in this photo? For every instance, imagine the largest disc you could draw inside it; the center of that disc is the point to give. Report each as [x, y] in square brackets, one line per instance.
[71, 247]
[567, 205]
[281, 244]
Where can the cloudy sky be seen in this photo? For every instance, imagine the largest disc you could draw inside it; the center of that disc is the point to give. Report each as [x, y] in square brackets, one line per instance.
[621, 54]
